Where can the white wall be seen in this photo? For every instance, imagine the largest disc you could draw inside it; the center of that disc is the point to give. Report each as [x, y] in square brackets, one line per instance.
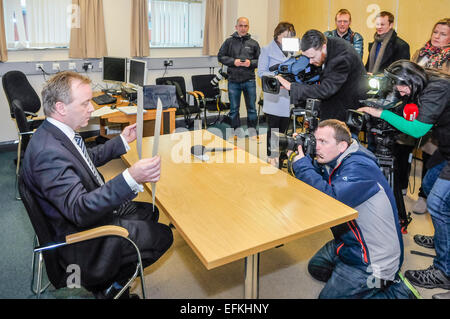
[263, 15]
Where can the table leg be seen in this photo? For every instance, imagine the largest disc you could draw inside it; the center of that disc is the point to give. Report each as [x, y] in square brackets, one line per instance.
[251, 280]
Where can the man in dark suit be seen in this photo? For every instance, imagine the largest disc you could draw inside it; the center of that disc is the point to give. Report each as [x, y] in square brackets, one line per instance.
[387, 47]
[62, 174]
[342, 80]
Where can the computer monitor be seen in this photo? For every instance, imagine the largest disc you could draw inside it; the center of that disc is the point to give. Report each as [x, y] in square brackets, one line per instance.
[114, 69]
[138, 72]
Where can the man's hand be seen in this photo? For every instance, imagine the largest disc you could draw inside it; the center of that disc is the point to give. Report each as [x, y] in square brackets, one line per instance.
[147, 170]
[300, 153]
[129, 133]
[284, 83]
[238, 62]
[371, 111]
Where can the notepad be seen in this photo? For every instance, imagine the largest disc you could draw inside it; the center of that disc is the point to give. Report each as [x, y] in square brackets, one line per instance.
[128, 109]
[102, 111]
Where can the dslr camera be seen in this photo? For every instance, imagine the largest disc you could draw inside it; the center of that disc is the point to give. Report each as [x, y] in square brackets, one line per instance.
[221, 74]
[305, 139]
[295, 69]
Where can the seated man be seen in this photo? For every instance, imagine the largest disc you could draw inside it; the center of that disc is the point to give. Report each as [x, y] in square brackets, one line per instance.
[62, 174]
[366, 254]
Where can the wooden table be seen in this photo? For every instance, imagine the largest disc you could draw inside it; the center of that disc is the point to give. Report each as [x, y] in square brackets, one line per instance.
[235, 205]
[167, 124]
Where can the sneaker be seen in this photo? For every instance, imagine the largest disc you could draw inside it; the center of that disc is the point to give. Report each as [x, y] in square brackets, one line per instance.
[420, 207]
[424, 241]
[444, 295]
[429, 278]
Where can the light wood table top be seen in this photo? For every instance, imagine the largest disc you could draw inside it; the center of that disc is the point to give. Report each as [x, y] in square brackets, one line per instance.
[234, 205]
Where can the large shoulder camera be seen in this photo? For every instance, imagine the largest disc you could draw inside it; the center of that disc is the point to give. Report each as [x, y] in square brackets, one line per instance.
[384, 96]
[295, 69]
[306, 139]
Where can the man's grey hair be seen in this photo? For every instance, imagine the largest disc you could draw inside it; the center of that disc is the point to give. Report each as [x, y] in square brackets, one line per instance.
[58, 89]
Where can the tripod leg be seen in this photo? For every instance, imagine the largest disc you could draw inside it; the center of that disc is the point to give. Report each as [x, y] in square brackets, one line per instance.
[404, 218]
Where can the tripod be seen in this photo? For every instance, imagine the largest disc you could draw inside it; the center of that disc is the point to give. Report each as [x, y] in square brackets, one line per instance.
[388, 165]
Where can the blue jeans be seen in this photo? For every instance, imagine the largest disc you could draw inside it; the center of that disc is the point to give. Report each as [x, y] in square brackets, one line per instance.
[347, 281]
[431, 176]
[438, 204]
[235, 90]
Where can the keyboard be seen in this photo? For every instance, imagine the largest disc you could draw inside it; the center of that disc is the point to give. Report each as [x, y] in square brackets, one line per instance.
[104, 99]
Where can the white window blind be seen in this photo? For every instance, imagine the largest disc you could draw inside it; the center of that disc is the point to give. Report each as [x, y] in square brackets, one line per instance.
[37, 23]
[176, 23]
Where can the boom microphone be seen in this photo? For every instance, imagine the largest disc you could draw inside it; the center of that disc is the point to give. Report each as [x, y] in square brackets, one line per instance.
[410, 111]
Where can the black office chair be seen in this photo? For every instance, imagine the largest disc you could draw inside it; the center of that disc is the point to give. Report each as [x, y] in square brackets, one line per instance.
[17, 87]
[210, 94]
[25, 132]
[184, 107]
[47, 253]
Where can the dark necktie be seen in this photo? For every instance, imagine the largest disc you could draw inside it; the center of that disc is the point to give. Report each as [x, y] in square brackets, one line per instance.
[126, 207]
[80, 143]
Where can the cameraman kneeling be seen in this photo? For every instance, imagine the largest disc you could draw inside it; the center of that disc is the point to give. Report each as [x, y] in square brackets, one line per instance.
[366, 254]
[432, 96]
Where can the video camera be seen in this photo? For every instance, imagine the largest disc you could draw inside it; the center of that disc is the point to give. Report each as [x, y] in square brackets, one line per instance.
[305, 139]
[295, 69]
[383, 95]
[221, 74]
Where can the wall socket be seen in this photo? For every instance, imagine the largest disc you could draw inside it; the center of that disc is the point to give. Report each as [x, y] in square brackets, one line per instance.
[56, 67]
[72, 66]
[86, 66]
[168, 63]
[39, 66]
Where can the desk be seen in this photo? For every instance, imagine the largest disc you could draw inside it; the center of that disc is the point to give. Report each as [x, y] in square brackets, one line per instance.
[167, 124]
[235, 205]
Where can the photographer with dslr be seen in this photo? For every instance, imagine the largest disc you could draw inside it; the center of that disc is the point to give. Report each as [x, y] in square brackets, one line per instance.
[432, 96]
[276, 106]
[342, 81]
[364, 259]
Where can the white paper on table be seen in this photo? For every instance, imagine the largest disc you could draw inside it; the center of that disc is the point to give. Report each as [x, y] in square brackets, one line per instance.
[103, 111]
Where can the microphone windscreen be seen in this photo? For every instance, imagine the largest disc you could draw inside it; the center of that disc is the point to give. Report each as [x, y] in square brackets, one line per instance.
[197, 150]
[411, 111]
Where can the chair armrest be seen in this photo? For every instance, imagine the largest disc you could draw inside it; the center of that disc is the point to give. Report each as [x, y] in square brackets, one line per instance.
[101, 231]
[200, 93]
[195, 95]
[26, 133]
[30, 114]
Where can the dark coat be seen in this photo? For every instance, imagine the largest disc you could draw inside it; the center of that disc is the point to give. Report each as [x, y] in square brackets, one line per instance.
[396, 49]
[343, 82]
[237, 47]
[73, 201]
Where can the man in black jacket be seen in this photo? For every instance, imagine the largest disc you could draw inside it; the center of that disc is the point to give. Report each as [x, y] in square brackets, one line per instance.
[240, 53]
[342, 81]
[387, 46]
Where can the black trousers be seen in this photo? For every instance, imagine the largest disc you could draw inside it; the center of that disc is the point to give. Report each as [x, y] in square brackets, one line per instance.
[275, 123]
[151, 237]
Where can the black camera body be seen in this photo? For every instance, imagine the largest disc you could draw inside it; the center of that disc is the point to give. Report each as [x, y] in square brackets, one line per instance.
[306, 139]
[295, 69]
[221, 74]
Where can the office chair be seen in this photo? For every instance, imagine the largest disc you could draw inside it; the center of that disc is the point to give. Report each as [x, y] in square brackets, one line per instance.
[17, 87]
[25, 132]
[184, 108]
[210, 94]
[47, 253]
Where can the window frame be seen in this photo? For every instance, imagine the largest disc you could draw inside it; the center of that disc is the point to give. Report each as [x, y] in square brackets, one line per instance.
[184, 45]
